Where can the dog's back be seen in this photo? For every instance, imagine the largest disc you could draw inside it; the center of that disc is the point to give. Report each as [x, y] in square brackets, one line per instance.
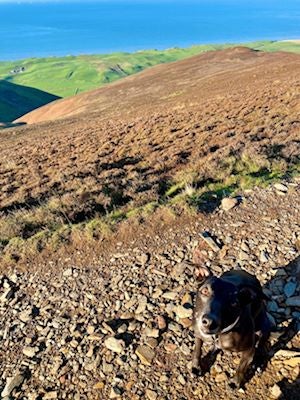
[241, 278]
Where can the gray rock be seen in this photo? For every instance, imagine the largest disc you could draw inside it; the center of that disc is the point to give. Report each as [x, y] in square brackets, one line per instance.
[50, 395]
[11, 384]
[144, 258]
[228, 203]
[264, 256]
[210, 241]
[293, 301]
[142, 305]
[151, 395]
[68, 272]
[30, 351]
[178, 270]
[170, 295]
[145, 354]
[183, 312]
[115, 345]
[280, 187]
[272, 306]
[25, 316]
[289, 289]
[161, 322]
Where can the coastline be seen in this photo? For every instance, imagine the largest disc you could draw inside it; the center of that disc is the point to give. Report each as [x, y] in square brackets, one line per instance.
[263, 43]
[290, 41]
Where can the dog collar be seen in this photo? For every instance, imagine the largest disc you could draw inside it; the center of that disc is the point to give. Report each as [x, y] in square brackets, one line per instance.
[228, 328]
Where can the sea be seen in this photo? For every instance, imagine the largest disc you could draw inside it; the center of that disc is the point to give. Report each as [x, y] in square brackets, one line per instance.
[40, 29]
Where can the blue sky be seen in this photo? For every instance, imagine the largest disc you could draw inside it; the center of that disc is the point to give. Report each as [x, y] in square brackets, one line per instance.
[148, 1]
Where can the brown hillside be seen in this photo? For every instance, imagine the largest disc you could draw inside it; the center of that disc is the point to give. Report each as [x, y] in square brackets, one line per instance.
[200, 120]
[193, 80]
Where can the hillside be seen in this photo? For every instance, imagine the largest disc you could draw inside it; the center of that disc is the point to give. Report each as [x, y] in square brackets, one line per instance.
[173, 85]
[66, 76]
[176, 137]
[16, 100]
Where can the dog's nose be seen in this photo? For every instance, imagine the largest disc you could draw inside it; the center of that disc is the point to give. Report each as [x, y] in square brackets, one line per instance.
[208, 322]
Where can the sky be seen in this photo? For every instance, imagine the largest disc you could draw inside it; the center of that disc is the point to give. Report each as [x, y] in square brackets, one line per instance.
[132, 1]
[84, 1]
[231, 2]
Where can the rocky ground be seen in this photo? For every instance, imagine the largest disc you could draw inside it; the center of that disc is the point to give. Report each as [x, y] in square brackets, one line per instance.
[123, 330]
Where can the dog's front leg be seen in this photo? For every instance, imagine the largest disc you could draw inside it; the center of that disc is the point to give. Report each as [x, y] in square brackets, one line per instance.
[196, 369]
[247, 357]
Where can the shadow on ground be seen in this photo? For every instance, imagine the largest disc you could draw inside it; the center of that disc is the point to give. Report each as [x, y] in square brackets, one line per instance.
[286, 328]
[17, 100]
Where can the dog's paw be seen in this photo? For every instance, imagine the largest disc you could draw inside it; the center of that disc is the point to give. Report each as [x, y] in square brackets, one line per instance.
[236, 382]
[233, 385]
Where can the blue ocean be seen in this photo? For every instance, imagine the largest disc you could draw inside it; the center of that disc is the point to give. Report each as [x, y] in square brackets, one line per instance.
[64, 28]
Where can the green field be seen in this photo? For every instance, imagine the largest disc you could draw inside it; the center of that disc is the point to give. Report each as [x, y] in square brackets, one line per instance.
[67, 76]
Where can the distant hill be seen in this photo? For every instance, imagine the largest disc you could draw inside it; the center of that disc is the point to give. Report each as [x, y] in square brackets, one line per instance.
[164, 86]
[17, 100]
[55, 77]
[67, 76]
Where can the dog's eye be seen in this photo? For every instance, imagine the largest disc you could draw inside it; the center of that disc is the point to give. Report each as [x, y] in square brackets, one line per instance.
[204, 291]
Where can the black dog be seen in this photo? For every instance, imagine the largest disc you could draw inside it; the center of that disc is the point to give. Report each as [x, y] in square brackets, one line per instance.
[230, 314]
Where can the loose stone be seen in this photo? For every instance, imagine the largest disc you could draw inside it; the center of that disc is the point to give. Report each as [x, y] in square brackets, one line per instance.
[30, 351]
[289, 289]
[281, 187]
[183, 312]
[293, 301]
[11, 384]
[115, 345]
[228, 203]
[151, 395]
[145, 354]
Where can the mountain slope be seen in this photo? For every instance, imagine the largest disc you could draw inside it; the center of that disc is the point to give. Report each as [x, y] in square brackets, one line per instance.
[175, 84]
[180, 135]
[17, 100]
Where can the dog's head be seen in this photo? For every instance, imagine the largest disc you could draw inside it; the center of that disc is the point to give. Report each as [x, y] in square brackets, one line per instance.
[219, 303]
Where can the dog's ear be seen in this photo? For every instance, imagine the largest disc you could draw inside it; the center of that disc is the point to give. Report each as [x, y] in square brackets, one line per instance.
[246, 295]
[201, 273]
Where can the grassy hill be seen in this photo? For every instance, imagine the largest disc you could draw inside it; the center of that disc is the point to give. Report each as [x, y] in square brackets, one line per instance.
[171, 140]
[17, 100]
[67, 76]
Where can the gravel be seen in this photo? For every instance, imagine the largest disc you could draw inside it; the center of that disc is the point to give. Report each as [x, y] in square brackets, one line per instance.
[123, 329]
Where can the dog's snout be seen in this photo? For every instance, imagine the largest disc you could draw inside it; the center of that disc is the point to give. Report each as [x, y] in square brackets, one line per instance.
[209, 323]
[206, 320]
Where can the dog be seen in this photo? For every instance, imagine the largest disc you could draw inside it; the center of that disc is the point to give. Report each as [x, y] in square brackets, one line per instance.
[230, 314]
